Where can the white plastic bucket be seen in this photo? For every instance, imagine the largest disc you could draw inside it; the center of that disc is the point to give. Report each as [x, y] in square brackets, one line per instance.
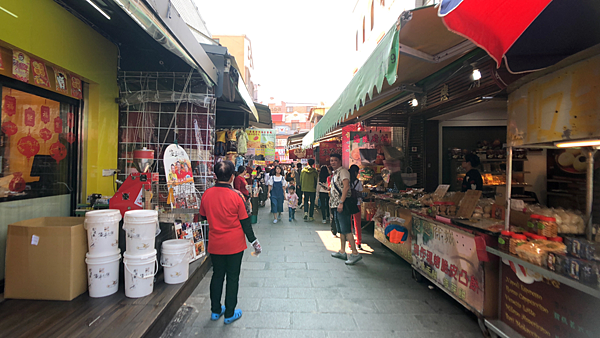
[175, 258]
[103, 274]
[139, 274]
[102, 232]
[141, 226]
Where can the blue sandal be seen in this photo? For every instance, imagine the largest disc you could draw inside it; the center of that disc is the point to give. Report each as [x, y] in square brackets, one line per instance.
[216, 316]
[237, 314]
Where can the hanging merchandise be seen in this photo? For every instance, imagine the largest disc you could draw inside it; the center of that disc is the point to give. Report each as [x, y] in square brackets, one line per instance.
[232, 141]
[76, 87]
[45, 134]
[58, 151]
[45, 114]
[242, 140]
[40, 75]
[28, 146]
[180, 179]
[10, 105]
[220, 149]
[20, 67]
[17, 184]
[261, 145]
[58, 125]
[9, 128]
[61, 81]
[30, 117]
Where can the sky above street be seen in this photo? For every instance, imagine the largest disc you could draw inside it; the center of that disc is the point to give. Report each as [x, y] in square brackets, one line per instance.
[302, 50]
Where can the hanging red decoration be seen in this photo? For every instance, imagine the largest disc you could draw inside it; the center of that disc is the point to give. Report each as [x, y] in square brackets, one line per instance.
[70, 137]
[17, 184]
[28, 146]
[58, 126]
[45, 134]
[70, 120]
[9, 128]
[58, 151]
[45, 112]
[10, 105]
[29, 117]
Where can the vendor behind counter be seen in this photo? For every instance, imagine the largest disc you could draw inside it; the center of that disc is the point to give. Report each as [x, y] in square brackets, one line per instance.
[473, 179]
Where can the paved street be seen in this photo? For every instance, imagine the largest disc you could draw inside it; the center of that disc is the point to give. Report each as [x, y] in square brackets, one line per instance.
[296, 289]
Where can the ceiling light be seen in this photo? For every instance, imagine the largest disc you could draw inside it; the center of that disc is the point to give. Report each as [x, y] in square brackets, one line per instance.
[476, 74]
[414, 102]
[98, 9]
[580, 143]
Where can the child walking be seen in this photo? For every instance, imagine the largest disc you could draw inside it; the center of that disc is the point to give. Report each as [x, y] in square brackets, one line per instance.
[292, 199]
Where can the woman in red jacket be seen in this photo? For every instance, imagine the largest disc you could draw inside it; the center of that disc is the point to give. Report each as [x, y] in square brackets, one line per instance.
[239, 183]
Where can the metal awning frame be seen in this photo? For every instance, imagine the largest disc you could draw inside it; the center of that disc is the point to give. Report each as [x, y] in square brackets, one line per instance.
[449, 53]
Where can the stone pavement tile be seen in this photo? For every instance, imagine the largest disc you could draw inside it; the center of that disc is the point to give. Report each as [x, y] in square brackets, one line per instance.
[317, 242]
[404, 306]
[446, 305]
[275, 252]
[379, 283]
[305, 259]
[262, 273]
[448, 323]
[221, 332]
[287, 305]
[308, 273]
[251, 292]
[322, 321]
[417, 292]
[387, 322]
[314, 293]
[260, 320]
[361, 334]
[247, 304]
[265, 333]
[334, 282]
[265, 258]
[286, 266]
[252, 281]
[366, 293]
[253, 265]
[358, 305]
[287, 282]
[333, 264]
[304, 249]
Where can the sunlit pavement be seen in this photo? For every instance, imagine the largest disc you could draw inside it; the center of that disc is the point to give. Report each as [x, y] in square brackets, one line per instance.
[296, 289]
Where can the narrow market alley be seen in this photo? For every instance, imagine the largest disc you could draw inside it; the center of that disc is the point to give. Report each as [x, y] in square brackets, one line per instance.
[296, 289]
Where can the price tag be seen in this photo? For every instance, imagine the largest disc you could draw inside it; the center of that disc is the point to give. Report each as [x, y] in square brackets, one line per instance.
[34, 240]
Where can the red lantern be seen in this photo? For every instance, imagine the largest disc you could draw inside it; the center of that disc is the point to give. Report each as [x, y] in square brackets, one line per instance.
[58, 151]
[70, 120]
[58, 125]
[10, 105]
[17, 184]
[29, 117]
[45, 134]
[9, 128]
[28, 146]
[45, 114]
[70, 137]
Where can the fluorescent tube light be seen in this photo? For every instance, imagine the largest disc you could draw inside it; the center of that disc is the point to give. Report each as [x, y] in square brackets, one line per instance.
[579, 143]
[98, 9]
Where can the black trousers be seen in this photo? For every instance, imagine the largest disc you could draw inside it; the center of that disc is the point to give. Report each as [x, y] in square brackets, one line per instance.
[324, 198]
[299, 193]
[229, 265]
[333, 226]
[309, 197]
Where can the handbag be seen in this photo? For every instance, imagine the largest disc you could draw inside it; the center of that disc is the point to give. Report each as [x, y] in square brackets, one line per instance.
[350, 204]
[410, 179]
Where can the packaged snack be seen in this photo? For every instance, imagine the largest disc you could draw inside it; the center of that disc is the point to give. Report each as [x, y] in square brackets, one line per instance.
[546, 226]
[582, 270]
[558, 262]
[516, 240]
[582, 248]
[536, 251]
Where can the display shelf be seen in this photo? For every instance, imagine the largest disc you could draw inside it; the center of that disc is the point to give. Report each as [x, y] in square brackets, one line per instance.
[592, 291]
[493, 160]
[501, 329]
[558, 181]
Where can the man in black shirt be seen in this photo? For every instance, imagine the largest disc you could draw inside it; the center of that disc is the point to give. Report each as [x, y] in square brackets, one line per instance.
[472, 180]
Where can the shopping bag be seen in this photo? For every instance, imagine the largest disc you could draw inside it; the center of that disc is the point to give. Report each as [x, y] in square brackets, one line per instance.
[409, 178]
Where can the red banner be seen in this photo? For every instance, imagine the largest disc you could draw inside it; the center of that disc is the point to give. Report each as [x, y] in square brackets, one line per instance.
[61, 81]
[10, 105]
[45, 112]
[21, 66]
[40, 75]
[328, 148]
[30, 117]
[76, 87]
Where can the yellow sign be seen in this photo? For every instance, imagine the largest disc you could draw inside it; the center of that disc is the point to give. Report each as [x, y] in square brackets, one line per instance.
[560, 106]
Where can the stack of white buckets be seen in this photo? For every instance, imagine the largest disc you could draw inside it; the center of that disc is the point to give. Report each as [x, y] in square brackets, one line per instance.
[139, 259]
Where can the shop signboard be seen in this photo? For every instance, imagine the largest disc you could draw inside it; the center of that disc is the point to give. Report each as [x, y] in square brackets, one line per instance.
[362, 146]
[180, 178]
[538, 307]
[449, 256]
[327, 148]
[558, 106]
[261, 145]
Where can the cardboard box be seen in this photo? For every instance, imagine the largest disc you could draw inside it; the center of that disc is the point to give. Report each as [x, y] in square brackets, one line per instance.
[45, 259]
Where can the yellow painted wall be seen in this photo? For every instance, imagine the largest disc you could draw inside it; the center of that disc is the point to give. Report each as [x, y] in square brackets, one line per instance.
[235, 47]
[46, 30]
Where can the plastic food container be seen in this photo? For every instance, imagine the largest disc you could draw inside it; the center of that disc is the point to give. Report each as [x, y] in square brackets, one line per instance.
[532, 252]
[532, 223]
[546, 226]
[516, 240]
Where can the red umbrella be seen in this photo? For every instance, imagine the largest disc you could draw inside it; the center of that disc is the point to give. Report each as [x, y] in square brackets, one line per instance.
[529, 35]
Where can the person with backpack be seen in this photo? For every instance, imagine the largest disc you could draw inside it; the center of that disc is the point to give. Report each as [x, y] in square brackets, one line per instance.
[356, 189]
[308, 180]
